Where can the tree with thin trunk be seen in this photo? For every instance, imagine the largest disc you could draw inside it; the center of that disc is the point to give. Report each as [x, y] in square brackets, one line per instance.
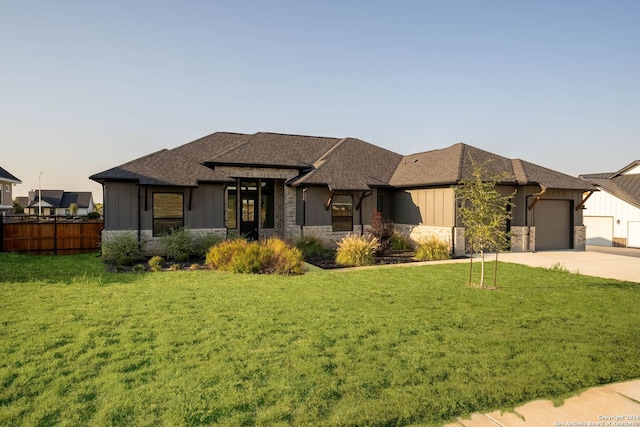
[484, 212]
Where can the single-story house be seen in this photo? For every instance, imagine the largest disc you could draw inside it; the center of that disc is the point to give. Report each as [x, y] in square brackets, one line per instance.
[7, 181]
[613, 213]
[57, 202]
[290, 185]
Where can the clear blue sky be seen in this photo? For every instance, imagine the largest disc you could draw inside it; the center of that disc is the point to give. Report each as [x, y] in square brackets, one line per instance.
[88, 85]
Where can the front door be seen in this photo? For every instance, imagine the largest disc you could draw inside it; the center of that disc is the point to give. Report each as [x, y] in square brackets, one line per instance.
[249, 209]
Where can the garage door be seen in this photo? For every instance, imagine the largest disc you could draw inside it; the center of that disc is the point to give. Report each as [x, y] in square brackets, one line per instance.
[553, 224]
[633, 238]
[599, 230]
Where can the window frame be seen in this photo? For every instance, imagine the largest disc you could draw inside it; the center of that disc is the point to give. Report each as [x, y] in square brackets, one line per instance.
[339, 222]
[178, 221]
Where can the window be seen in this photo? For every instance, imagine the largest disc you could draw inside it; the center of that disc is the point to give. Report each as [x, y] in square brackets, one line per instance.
[380, 204]
[266, 204]
[232, 206]
[168, 212]
[342, 212]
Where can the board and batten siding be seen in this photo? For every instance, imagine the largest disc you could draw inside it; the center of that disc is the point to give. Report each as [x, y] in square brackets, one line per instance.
[433, 207]
[603, 204]
[120, 208]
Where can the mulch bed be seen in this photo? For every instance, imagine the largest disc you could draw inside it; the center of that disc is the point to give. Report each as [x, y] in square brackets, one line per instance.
[328, 261]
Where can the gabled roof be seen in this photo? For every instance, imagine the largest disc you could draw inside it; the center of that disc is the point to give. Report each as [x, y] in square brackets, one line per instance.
[6, 176]
[59, 198]
[624, 184]
[352, 164]
[449, 165]
[341, 164]
[163, 167]
[276, 150]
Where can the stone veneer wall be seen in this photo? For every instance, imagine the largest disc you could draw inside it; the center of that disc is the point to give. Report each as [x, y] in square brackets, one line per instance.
[326, 234]
[452, 236]
[579, 238]
[521, 238]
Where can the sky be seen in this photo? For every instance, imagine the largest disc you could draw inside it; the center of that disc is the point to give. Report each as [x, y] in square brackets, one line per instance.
[89, 85]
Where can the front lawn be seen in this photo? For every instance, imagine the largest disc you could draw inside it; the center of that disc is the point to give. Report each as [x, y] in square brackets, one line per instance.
[386, 346]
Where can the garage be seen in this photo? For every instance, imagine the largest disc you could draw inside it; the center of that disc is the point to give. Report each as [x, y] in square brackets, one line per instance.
[633, 238]
[599, 230]
[553, 224]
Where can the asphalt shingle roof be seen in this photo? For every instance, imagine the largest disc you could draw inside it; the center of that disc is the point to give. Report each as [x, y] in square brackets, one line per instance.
[341, 164]
[352, 164]
[272, 149]
[61, 198]
[449, 165]
[163, 167]
[5, 175]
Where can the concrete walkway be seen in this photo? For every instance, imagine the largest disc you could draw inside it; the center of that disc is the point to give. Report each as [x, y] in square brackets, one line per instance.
[610, 405]
[621, 264]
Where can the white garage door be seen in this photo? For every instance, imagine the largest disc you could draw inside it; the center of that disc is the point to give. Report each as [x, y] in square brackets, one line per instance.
[599, 230]
[633, 236]
[553, 224]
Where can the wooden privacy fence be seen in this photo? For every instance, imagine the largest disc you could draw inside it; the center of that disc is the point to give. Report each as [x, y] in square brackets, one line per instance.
[50, 234]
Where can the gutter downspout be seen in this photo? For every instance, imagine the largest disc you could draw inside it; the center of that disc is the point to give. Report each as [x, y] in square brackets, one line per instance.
[139, 214]
[304, 211]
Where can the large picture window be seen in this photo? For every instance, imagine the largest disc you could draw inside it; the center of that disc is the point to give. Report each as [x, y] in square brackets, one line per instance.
[168, 212]
[342, 212]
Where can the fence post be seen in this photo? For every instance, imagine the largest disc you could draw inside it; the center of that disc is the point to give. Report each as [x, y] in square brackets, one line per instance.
[1, 233]
[55, 235]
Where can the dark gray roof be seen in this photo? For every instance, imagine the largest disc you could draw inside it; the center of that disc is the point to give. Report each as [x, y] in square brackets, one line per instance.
[448, 166]
[210, 146]
[352, 164]
[341, 164]
[275, 149]
[60, 198]
[6, 176]
[623, 185]
[164, 167]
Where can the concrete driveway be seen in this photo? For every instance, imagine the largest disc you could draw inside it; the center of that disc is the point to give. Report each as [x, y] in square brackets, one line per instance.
[609, 405]
[599, 261]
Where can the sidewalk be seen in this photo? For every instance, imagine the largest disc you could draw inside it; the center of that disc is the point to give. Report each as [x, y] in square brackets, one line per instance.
[591, 262]
[610, 405]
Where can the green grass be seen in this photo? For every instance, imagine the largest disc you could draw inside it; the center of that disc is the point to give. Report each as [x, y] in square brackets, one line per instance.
[378, 347]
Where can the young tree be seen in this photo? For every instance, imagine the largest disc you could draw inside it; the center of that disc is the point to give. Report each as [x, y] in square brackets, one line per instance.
[484, 212]
[73, 208]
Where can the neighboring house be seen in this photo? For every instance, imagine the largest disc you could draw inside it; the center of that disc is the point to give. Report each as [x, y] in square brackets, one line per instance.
[289, 185]
[57, 202]
[613, 213]
[7, 181]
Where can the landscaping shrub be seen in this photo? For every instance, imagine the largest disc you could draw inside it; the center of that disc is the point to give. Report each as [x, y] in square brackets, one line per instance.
[399, 242]
[432, 249]
[177, 244]
[355, 251]
[247, 260]
[202, 242]
[122, 249]
[310, 246]
[382, 229]
[272, 256]
[279, 258]
[219, 257]
[156, 263]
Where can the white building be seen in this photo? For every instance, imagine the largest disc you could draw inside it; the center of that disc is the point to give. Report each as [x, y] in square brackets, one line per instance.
[612, 215]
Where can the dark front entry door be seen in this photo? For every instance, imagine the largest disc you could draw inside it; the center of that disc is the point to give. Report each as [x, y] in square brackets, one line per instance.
[249, 209]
